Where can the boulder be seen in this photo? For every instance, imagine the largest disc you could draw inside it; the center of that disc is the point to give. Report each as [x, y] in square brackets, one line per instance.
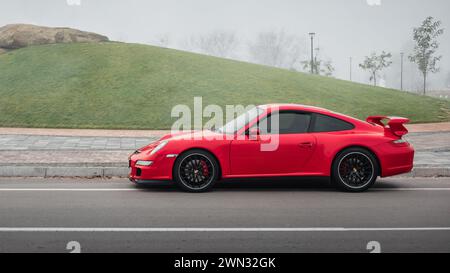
[22, 35]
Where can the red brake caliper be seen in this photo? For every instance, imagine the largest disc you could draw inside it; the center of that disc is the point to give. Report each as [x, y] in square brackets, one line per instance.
[205, 168]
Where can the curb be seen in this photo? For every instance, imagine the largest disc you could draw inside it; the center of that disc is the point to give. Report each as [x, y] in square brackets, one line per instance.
[120, 171]
[51, 171]
[429, 172]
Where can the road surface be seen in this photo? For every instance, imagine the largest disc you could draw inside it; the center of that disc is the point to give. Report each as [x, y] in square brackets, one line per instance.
[399, 214]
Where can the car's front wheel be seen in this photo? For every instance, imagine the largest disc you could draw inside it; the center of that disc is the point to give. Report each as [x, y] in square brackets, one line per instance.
[196, 171]
[355, 170]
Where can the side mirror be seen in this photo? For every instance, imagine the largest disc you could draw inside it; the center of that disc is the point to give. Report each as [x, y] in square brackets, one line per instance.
[253, 134]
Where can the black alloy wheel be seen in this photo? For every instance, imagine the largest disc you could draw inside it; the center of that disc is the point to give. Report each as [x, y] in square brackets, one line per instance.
[355, 170]
[196, 171]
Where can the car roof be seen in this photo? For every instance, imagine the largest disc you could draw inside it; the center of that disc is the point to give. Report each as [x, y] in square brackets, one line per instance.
[314, 109]
[299, 107]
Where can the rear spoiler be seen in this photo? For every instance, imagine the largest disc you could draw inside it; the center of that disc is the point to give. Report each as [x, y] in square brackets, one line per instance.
[394, 124]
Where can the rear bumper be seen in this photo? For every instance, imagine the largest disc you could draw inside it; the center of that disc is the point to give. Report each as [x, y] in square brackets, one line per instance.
[396, 160]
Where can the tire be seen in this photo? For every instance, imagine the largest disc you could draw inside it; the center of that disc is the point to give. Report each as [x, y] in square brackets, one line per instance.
[196, 171]
[355, 170]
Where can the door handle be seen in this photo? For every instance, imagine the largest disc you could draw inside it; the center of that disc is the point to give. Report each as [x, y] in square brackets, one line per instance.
[306, 144]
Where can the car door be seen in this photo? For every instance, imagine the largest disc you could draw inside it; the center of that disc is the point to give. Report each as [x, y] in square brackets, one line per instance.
[288, 130]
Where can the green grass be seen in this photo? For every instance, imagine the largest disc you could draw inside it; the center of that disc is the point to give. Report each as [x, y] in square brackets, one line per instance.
[117, 85]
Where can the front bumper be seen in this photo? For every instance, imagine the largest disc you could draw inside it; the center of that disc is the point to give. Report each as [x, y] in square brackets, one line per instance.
[148, 182]
[159, 170]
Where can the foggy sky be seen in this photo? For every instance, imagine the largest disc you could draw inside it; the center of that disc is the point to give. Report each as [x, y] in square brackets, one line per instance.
[344, 27]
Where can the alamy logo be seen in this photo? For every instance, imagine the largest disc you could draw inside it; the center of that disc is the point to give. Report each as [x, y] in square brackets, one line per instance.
[74, 247]
[73, 2]
[238, 118]
[374, 2]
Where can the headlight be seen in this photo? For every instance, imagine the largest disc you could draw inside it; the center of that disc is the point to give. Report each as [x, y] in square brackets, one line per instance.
[144, 162]
[159, 147]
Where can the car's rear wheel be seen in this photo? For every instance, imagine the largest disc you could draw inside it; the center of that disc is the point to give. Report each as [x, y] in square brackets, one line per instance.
[196, 171]
[355, 170]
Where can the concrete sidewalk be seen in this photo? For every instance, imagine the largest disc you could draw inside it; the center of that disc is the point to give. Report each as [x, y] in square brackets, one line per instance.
[92, 153]
[413, 128]
[84, 132]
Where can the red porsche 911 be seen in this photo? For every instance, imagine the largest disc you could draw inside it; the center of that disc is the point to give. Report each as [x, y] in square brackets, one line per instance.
[304, 141]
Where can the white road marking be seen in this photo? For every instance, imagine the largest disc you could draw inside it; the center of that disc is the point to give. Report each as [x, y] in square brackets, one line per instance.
[410, 189]
[200, 229]
[135, 189]
[68, 189]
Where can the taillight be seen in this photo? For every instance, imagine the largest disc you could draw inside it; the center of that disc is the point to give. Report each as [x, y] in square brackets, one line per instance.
[400, 142]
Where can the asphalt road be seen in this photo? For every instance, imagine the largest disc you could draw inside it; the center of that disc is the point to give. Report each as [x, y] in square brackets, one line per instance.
[402, 215]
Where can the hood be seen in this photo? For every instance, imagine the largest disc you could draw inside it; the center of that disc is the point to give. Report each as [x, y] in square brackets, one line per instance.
[183, 135]
[192, 134]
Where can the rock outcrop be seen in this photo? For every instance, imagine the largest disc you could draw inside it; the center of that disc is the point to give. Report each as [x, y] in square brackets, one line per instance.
[23, 35]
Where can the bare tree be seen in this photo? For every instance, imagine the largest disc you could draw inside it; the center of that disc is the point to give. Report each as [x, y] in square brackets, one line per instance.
[320, 67]
[218, 43]
[276, 49]
[375, 63]
[328, 69]
[426, 46]
[161, 40]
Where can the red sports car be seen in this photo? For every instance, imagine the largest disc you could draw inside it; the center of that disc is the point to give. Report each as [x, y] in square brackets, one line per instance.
[308, 141]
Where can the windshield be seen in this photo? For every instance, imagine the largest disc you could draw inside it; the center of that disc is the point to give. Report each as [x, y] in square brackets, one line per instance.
[239, 122]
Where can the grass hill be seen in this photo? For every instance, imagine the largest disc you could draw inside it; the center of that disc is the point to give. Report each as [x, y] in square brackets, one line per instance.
[118, 85]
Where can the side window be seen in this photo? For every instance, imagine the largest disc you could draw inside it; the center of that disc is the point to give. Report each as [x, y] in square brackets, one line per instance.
[289, 122]
[325, 123]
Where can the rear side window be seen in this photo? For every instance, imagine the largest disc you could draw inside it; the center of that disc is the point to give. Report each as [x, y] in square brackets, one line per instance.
[290, 122]
[325, 123]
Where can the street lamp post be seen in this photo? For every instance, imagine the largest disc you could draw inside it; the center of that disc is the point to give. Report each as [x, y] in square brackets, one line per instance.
[351, 60]
[311, 34]
[401, 71]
